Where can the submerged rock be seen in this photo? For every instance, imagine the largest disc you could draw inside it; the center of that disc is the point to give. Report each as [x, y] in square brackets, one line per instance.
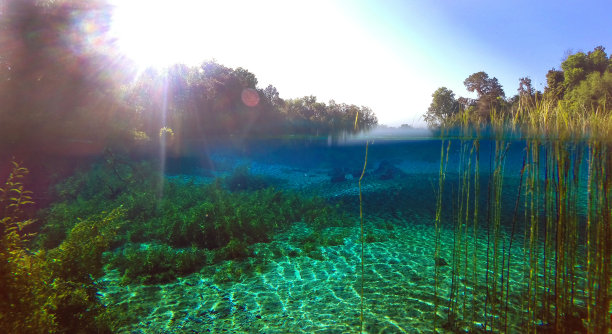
[337, 175]
[387, 171]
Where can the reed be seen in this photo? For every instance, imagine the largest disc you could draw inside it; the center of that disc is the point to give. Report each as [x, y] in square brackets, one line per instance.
[438, 220]
[362, 231]
[565, 266]
[365, 164]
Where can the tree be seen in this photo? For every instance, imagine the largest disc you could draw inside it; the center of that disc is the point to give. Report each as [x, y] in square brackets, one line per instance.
[575, 69]
[592, 94]
[246, 78]
[554, 85]
[442, 107]
[598, 60]
[490, 92]
[525, 88]
[271, 94]
[526, 92]
[585, 82]
[58, 78]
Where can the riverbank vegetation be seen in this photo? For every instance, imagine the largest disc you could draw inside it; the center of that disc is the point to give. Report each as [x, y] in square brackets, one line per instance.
[575, 101]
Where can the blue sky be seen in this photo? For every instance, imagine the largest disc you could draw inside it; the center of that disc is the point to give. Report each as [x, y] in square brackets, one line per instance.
[389, 55]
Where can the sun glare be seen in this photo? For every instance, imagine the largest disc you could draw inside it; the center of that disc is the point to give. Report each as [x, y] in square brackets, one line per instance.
[159, 33]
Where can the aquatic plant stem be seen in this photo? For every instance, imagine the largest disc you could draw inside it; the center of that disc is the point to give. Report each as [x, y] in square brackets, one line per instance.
[365, 163]
[475, 228]
[487, 295]
[441, 177]
[516, 204]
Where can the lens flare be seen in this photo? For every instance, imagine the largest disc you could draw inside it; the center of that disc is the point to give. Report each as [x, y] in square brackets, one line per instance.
[250, 97]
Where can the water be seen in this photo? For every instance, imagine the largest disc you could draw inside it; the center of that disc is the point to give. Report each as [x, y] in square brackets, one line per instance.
[264, 236]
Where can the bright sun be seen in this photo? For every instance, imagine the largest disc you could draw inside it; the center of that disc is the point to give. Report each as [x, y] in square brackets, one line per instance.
[159, 33]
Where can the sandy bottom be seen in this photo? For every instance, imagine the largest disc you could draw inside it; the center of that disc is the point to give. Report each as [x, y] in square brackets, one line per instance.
[295, 292]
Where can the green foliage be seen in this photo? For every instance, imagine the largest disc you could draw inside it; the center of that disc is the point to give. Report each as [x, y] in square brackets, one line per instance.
[592, 94]
[220, 220]
[12, 198]
[104, 187]
[598, 60]
[490, 92]
[231, 271]
[235, 249]
[575, 101]
[72, 269]
[442, 107]
[79, 257]
[218, 216]
[98, 103]
[575, 68]
[571, 121]
[23, 276]
[554, 89]
[584, 82]
[216, 93]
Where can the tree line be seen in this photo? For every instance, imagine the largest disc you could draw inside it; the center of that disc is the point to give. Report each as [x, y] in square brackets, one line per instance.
[583, 84]
[63, 80]
[212, 99]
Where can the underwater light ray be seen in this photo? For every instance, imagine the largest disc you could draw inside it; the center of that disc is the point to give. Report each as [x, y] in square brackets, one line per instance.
[163, 136]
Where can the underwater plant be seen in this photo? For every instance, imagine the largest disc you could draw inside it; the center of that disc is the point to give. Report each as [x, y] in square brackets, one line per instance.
[156, 263]
[216, 221]
[110, 183]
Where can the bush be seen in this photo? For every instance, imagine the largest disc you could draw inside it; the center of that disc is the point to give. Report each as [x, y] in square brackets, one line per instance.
[101, 189]
[74, 266]
[22, 275]
[54, 291]
[79, 257]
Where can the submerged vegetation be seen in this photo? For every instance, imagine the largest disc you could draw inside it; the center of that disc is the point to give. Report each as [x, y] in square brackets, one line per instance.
[148, 237]
[183, 218]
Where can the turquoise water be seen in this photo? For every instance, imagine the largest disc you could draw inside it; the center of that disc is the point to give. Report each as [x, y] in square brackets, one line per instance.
[304, 274]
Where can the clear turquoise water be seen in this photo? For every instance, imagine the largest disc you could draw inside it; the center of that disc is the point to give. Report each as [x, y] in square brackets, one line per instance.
[307, 278]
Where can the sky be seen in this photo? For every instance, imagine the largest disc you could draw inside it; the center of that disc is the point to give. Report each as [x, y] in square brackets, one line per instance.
[389, 55]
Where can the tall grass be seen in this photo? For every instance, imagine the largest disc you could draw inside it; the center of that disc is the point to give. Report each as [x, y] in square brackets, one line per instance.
[561, 283]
